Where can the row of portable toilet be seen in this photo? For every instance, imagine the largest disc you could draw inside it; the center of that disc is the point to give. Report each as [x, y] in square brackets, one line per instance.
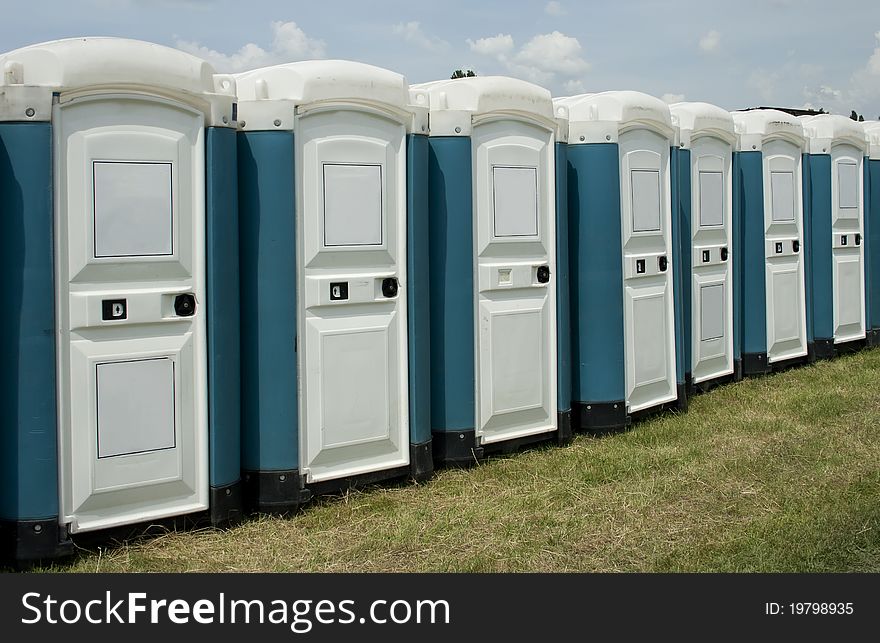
[238, 291]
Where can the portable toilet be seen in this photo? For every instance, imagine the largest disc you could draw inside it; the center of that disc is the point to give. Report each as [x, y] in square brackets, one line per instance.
[494, 268]
[871, 195]
[834, 167]
[708, 231]
[769, 203]
[623, 305]
[332, 184]
[120, 236]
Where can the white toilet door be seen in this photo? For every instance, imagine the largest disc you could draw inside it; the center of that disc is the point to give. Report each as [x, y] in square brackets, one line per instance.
[130, 239]
[515, 263]
[351, 222]
[711, 260]
[783, 249]
[646, 226]
[847, 247]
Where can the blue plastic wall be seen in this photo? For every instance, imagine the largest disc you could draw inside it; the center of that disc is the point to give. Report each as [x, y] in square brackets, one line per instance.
[680, 180]
[872, 235]
[418, 289]
[749, 188]
[596, 273]
[267, 228]
[817, 217]
[224, 363]
[28, 437]
[451, 284]
[563, 285]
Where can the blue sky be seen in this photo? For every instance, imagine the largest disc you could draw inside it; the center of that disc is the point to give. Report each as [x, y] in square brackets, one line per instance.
[780, 52]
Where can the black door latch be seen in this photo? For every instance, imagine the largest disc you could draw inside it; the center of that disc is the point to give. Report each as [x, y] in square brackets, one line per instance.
[724, 254]
[543, 274]
[662, 263]
[389, 287]
[185, 305]
[796, 245]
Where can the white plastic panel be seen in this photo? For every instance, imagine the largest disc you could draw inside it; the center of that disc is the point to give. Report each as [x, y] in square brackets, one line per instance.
[356, 372]
[513, 383]
[352, 205]
[352, 353]
[515, 201]
[645, 185]
[784, 264]
[848, 186]
[646, 234]
[782, 190]
[514, 234]
[133, 428]
[133, 209]
[711, 186]
[712, 311]
[135, 402]
[649, 338]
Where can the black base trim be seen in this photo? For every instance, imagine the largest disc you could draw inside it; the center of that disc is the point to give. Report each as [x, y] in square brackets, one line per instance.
[872, 337]
[564, 432]
[755, 364]
[340, 485]
[227, 505]
[682, 395]
[689, 384]
[456, 448]
[822, 349]
[27, 542]
[421, 461]
[737, 370]
[273, 491]
[852, 346]
[600, 417]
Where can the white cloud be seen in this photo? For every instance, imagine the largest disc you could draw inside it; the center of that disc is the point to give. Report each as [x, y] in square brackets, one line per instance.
[495, 46]
[554, 8]
[551, 58]
[289, 43]
[874, 60]
[672, 98]
[711, 41]
[413, 33]
[574, 87]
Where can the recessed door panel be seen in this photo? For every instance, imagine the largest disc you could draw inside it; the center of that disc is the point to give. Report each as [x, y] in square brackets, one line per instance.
[847, 249]
[131, 371]
[647, 255]
[711, 260]
[515, 268]
[351, 223]
[783, 233]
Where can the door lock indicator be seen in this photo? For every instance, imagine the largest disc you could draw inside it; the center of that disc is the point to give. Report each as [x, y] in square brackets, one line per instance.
[338, 290]
[724, 254]
[543, 274]
[389, 287]
[779, 247]
[185, 305]
[114, 309]
[662, 263]
[706, 256]
[843, 239]
[640, 266]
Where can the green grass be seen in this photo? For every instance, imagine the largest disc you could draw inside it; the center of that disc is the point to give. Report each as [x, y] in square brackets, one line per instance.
[775, 474]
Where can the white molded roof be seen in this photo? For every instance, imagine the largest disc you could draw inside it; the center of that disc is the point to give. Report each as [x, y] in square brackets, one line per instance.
[702, 117]
[834, 128]
[767, 122]
[313, 81]
[488, 94]
[624, 107]
[89, 62]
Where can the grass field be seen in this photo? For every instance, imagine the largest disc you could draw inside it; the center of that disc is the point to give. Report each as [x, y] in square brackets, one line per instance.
[780, 473]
